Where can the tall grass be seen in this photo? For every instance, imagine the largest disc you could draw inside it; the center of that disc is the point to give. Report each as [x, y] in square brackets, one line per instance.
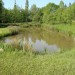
[70, 29]
[25, 63]
[14, 61]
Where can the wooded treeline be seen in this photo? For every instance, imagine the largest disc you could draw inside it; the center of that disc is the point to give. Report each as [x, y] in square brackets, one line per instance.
[51, 13]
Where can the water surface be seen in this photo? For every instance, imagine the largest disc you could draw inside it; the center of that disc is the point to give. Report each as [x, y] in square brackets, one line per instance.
[42, 40]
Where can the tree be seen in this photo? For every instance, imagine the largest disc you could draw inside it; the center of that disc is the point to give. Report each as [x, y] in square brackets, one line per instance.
[60, 12]
[15, 11]
[51, 13]
[38, 16]
[26, 10]
[33, 11]
[48, 12]
[69, 4]
[6, 16]
[1, 10]
[61, 4]
[73, 10]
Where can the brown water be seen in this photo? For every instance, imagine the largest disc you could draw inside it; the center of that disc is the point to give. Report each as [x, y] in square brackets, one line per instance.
[41, 40]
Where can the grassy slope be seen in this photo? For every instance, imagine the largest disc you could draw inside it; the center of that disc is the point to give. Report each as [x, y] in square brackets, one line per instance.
[4, 31]
[7, 31]
[20, 63]
[66, 28]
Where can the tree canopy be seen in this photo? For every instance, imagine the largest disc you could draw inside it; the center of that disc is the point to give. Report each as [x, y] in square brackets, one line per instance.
[51, 13]
[1, 10]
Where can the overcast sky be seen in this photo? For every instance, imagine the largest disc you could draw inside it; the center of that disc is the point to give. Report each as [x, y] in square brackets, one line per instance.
[39, 3]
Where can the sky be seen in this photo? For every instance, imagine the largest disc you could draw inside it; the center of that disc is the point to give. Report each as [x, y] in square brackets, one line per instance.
[40, 3]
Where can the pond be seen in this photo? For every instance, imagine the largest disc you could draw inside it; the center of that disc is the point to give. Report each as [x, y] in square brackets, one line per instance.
[41, 40]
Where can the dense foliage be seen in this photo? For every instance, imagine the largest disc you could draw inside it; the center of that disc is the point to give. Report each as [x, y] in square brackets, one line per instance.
[51, 13]
[1, 10]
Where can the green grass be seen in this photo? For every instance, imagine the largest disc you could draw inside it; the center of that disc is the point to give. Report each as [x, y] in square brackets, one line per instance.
[70, 29]
[17, 62]
[4, 31]
[64, 28]
[7, 31]
[22, 63]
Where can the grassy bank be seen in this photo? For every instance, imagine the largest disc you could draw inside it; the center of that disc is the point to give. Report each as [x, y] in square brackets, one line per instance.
[8, 31]
[26, 24]
[70, 29]
[64, 28]
[22, 63]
